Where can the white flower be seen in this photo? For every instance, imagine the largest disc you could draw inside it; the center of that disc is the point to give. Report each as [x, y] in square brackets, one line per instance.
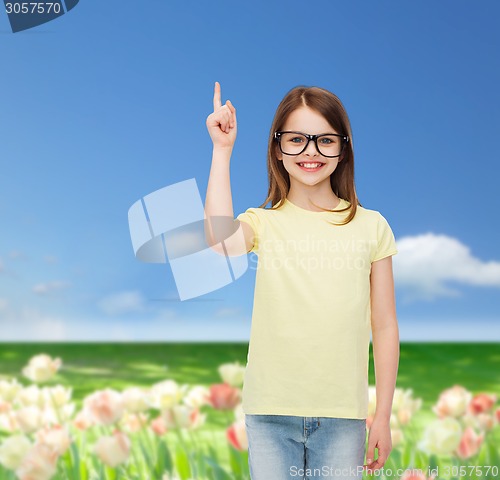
[441, 437]
[197, 396]
[60, 415]
[135, 399]
[134, 422]
[182, 416]
[8, 423]
[42, 368]
[397, 436]
[12, 451]
[32, 395]
[166, 394]
[238, 412]
[372, 400]
[9, 390]
[29, 418]
[56, 396]
[232, 373]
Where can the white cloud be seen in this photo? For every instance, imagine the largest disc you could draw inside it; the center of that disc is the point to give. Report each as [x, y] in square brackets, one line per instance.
[31, 324]
[123, 302]
[457, 330]
[49, 287]
[426, 263]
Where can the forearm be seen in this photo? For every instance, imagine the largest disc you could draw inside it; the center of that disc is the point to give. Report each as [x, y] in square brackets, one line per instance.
[218, 201]
[386, 360]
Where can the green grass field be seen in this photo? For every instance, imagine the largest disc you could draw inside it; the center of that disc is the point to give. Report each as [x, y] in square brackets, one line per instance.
[426, 368]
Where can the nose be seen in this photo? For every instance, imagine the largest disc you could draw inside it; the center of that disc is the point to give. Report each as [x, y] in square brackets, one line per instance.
[311, 149]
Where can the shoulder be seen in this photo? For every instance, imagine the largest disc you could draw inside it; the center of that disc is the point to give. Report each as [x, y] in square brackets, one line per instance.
[373, 221]
[260, 212]
[369, 215]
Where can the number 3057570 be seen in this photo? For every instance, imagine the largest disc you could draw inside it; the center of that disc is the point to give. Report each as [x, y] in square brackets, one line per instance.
[33, 7]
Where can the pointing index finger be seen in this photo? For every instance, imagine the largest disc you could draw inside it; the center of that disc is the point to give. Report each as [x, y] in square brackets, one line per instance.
[217, 102]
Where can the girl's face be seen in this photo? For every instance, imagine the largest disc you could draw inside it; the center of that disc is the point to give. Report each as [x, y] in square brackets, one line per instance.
[308, 121]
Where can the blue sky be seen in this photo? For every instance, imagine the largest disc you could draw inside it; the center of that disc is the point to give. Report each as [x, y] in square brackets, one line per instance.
[105, 105]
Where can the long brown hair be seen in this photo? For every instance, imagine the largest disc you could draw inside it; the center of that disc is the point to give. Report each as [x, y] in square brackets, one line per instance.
[331, 108]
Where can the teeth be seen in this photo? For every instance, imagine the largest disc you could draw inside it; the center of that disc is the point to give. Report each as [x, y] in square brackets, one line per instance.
[310, 165]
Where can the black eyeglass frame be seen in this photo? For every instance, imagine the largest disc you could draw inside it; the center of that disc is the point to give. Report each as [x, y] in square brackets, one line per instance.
[345, 140]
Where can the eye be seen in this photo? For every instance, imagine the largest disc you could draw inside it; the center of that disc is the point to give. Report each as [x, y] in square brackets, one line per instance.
[300, 139]
[328, 140]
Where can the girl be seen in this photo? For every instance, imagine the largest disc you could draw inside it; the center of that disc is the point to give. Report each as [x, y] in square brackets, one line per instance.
[324, 280]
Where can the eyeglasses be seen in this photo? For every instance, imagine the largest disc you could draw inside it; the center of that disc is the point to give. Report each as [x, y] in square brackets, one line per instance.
[294, 143]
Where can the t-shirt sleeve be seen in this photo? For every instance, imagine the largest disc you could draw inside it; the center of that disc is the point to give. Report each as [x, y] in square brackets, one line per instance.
[251, 217]
[386, 243]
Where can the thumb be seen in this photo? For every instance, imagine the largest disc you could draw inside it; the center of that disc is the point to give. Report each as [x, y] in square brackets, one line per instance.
[370, 454]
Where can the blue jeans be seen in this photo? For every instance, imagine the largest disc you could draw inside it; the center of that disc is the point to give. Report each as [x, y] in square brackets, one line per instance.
[290, 447]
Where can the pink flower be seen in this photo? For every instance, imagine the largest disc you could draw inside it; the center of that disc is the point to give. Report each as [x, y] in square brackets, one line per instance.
[55, 437]
[497, 414]
[404, 416]
[183, 416]
[134, 422]
[237, 435]
[452, 402]
[158, 426]
[83, 420]
[5, 407]
[224, 397]
[38, 464]
[113, 450]
[105, 406]
[470, 443]
[486, 421]
[481, 403]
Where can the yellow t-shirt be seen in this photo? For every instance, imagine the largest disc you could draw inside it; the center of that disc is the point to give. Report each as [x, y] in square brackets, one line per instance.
[311, 321]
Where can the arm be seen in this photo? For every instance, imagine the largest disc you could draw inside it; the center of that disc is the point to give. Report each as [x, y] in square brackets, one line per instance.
[219, 213]
[385, 335]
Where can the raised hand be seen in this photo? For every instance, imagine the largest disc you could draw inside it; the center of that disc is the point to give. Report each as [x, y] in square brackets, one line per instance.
[221, 123]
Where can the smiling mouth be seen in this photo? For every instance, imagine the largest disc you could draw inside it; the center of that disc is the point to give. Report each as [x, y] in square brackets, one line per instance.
[310, 166]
